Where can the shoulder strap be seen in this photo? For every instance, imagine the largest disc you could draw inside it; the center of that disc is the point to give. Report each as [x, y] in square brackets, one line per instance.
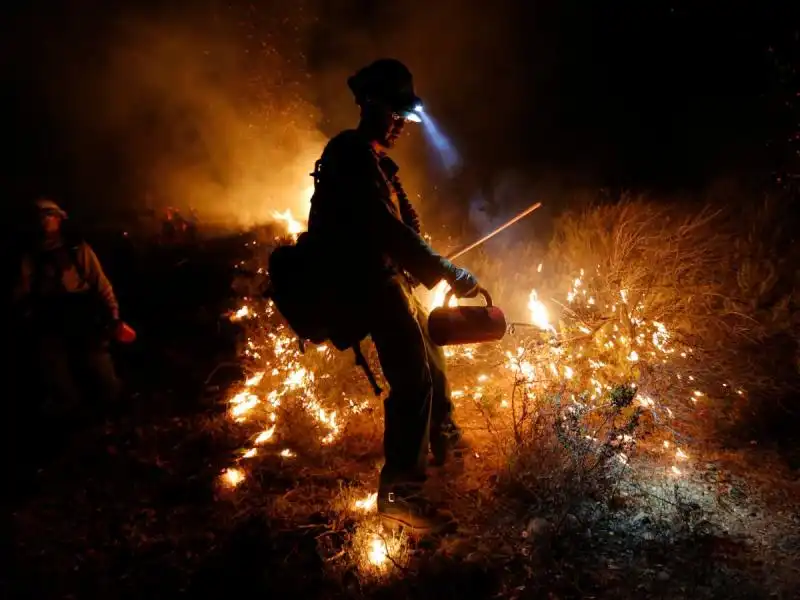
[407, 212]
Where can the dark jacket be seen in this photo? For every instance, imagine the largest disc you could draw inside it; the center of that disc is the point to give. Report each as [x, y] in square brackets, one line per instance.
[360, 217]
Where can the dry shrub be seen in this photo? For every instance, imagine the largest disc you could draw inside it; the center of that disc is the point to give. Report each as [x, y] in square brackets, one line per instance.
[722, 283]
[667, 263]
[567, 452]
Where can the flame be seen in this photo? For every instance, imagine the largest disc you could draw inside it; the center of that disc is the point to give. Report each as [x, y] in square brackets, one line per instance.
[293, 226]
[232, 477]
[539, 315]
[241, 313]
[377, 551]
[265, 435]
[366, 504]
[254, 380]
[438, 295]
[243, 406]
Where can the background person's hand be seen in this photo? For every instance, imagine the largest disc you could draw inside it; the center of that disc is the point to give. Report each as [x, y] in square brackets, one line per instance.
[124, 333]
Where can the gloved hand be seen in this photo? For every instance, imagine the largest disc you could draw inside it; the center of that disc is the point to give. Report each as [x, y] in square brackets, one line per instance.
[124, 333]
[463, 283]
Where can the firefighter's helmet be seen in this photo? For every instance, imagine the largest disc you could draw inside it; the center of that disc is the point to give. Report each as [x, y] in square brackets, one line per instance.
[386, 81]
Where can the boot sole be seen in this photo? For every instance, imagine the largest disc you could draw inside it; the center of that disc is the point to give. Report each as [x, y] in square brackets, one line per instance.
[396, 525]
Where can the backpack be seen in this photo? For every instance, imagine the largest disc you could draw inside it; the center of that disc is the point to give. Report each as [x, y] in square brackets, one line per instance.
[292, 290]
[307, 300]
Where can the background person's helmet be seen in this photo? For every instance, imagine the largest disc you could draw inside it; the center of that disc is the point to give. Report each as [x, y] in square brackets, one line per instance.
[389, 82]
[45, 205]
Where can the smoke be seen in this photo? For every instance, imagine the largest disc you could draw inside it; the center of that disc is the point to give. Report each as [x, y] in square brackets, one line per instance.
[226, 109]
[205, 117]
[225, 106]
[508, 195]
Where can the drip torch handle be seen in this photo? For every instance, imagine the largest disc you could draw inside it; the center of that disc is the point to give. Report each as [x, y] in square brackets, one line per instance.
[481, 291]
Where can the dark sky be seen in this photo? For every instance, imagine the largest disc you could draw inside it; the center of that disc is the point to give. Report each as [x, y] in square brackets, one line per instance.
[104, 101]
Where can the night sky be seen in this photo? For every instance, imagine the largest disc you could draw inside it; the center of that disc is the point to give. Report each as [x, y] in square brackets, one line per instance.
[656, 96]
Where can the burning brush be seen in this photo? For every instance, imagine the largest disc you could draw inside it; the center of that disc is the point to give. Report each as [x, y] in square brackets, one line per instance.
[602, 340]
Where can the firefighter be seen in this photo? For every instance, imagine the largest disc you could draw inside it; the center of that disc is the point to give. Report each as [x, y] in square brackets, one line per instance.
[370, 232]
[70, 311]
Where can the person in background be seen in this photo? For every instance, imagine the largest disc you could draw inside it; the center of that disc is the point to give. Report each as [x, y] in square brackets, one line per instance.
[169, 226]
[69, 313]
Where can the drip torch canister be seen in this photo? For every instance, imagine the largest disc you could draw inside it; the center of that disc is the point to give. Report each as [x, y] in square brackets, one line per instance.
[449, 326]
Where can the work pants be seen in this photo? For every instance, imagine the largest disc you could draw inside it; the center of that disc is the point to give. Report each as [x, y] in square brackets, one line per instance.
[418, 408]
[76, 374]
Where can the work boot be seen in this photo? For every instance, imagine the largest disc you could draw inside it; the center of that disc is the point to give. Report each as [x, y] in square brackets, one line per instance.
[448, 445]
[411, 511]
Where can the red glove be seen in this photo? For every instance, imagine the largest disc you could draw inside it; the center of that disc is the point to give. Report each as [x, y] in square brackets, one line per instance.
[124, 333]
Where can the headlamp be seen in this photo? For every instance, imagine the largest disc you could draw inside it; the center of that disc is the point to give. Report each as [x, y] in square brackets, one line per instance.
[413, 115]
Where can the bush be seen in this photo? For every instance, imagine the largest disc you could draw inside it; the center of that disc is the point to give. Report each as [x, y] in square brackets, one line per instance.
[721, 283]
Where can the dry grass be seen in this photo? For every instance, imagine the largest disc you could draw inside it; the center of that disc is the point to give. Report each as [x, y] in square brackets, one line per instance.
[721, 282]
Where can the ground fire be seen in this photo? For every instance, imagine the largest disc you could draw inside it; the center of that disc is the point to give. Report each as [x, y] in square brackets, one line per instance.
[570, 366]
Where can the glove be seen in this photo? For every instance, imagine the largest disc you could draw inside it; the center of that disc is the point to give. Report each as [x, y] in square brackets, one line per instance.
[463, 283]
[124, 333]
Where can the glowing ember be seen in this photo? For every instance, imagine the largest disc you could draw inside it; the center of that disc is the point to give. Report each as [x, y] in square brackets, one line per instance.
[286, 453]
